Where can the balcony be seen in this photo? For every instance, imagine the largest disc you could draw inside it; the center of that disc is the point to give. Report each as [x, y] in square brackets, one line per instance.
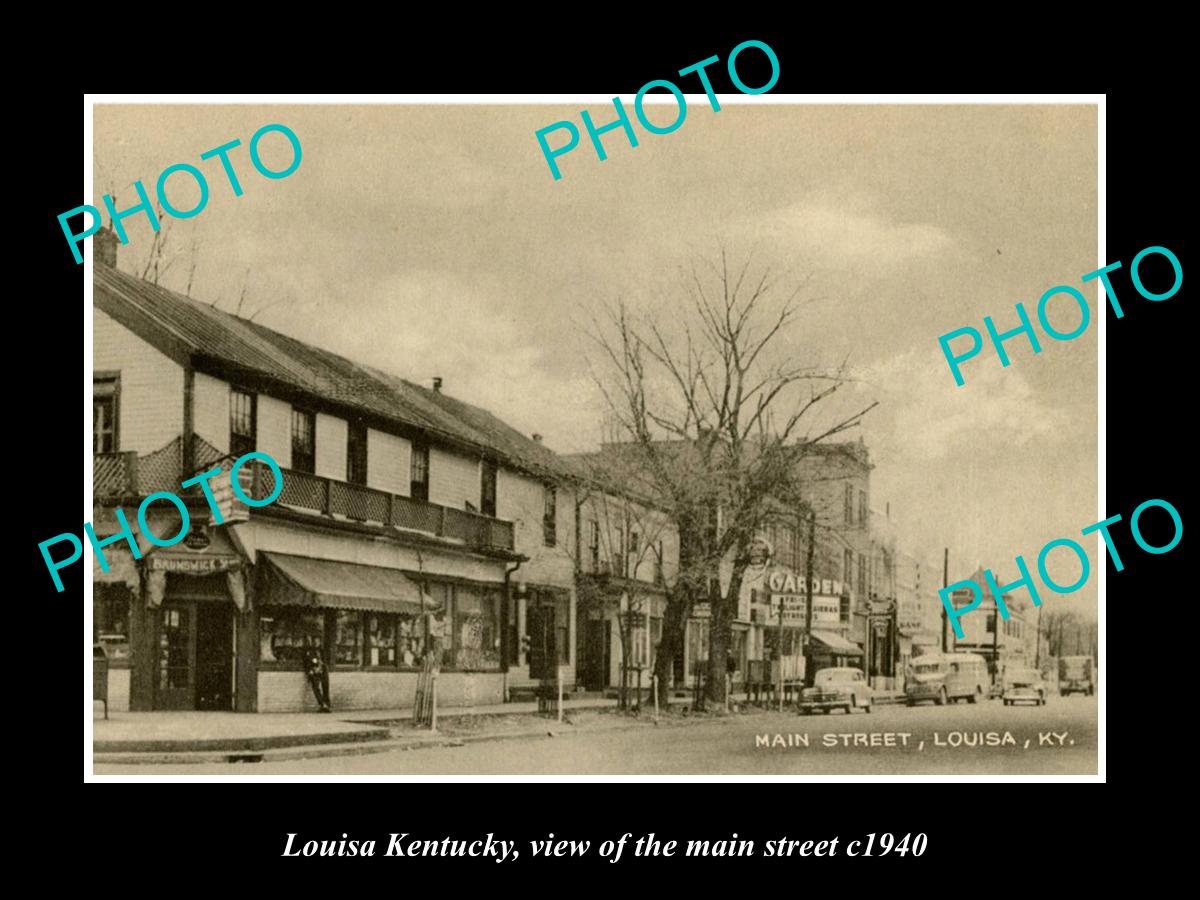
[117, 475]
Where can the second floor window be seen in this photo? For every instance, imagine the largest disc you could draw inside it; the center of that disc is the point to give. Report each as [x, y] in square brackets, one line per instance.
[419, 478]
[243, 414]
[104, 415]
[632, 553]
[848, 568]
[356, 453]
[863, 509]
[487, 488]
[549, 516]
[304, 441]
[863, 587]
[849, 505]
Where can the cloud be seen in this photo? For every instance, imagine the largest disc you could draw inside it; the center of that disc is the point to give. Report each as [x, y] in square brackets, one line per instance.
[847, 232]
[925, 417]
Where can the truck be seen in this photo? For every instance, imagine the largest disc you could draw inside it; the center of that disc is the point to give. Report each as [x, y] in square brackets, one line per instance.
[1076, 675]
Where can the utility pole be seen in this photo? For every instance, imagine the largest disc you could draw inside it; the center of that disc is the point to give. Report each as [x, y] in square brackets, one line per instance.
[1037, 653]
[808, 610]
[945, 584]
[995, 640]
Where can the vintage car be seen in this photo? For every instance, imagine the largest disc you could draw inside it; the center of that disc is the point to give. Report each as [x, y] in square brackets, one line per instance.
[843, 687]
[1023, 686]
[1076, 675]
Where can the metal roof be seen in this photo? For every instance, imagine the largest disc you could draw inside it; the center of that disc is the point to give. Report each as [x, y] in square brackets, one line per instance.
[202, 330]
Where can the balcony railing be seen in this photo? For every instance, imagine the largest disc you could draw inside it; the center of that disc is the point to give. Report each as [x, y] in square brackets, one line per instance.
[364, 504]
[124, 475]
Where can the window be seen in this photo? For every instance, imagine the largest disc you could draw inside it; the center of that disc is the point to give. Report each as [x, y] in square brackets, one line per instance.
[476, 628]
[594, 544]
[282, 632]
[243, 424]
[304, 441]
[848, 568]
[618, 555]
[487, 488]
[347, 638]
[110, 619]
[863, 586]
[991, 623]
[697, 633]
[419, 484]
[549, 515]
[632, 551]
[105, 394]
[356, 453]
[849, 504]
[381, 639]
[863, 509]
[410, 639]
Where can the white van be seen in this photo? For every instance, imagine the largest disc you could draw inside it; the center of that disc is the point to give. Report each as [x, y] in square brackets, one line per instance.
[941, 677]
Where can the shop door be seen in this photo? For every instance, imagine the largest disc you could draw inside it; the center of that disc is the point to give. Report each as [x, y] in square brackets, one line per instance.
[214, 656]
[598, 632]
[175, 678]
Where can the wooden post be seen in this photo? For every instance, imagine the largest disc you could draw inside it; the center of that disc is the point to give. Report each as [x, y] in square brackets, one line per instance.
[433, 700]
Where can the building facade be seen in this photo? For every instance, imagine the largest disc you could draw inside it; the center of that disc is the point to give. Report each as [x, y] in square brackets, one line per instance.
[1004, 643]
[407, 524]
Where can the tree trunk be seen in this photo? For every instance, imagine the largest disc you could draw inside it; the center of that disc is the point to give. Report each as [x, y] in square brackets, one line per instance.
[675, 618]
[720, 635]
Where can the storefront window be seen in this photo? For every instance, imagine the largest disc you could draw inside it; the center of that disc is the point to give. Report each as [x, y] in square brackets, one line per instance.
[381, 640]
[110, 620]
[410, 639]
[347, 640]
[282, 632]
[697, 647]
[476, 629]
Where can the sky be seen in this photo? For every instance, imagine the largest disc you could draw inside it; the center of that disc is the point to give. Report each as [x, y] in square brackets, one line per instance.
[431, 240]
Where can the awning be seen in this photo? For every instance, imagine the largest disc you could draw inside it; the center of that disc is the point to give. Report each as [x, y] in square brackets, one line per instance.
[303, 581]
[836, 644]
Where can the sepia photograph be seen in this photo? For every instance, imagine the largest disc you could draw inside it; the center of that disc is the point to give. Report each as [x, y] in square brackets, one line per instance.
[526, 437]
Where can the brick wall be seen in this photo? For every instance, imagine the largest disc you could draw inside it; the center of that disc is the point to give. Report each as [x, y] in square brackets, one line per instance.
[151, 413]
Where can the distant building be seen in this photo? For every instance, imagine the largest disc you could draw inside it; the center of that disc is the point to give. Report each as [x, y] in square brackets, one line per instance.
[1004, 643]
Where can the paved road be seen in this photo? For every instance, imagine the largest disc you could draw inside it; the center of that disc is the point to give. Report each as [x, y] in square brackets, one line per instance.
[1057, 739]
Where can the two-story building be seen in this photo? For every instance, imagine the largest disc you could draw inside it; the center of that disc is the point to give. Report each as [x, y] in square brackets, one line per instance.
[1004, 643]
[407, 521]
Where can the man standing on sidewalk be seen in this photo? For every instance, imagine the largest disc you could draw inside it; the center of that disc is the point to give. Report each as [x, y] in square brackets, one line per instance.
[318, 675]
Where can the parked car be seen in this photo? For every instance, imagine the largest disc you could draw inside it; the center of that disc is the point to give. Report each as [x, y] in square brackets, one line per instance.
[942, 677]
[1076, 675]
[1024, 686]
[843, 687]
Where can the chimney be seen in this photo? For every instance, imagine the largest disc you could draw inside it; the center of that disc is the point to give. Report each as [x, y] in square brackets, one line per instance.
[537, 438]
[437, 384]
[104, 247]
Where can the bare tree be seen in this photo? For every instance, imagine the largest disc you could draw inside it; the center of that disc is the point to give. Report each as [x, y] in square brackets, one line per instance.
[717, 417]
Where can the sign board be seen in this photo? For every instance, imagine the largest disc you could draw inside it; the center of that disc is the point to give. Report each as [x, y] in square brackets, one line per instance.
[781, 581]
[826, 610]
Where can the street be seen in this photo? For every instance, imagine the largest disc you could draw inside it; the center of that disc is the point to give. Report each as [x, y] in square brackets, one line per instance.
[958, 739]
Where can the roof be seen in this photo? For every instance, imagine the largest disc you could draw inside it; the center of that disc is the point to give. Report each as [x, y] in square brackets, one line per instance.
[181, 326]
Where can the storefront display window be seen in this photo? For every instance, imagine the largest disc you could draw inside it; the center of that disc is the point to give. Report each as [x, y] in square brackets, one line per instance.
[347, 641]
[110, 620]
[697, 647]
[476, 629]
[282, 632]
[381, 640]
[410, 639]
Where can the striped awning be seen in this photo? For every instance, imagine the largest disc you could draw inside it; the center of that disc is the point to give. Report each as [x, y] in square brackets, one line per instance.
[304, 581]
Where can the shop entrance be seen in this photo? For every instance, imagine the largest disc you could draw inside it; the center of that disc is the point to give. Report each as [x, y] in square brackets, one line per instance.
[194, 656]
[214, 656]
